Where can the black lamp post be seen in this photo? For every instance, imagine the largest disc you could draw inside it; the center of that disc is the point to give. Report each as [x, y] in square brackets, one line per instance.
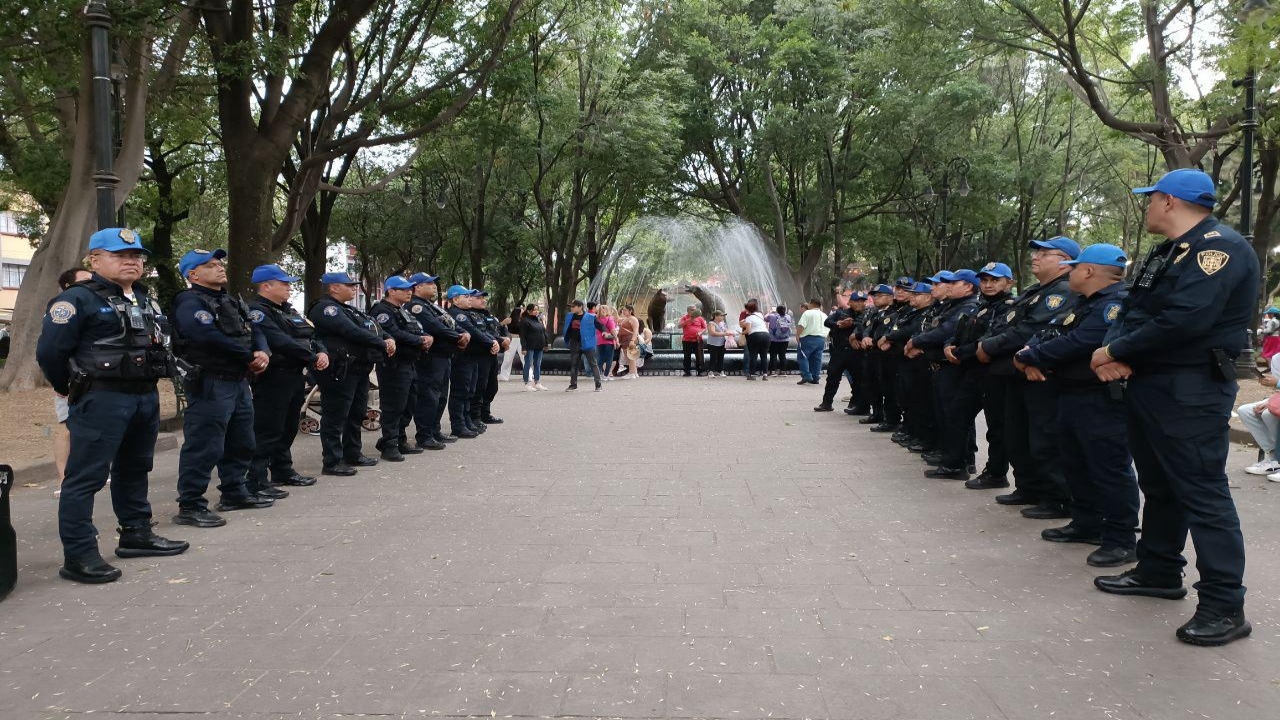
[957, 169]
[1249, 127]
[105, 179]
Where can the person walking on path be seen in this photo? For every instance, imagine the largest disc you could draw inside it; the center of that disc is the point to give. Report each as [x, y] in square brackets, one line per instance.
[580, 337]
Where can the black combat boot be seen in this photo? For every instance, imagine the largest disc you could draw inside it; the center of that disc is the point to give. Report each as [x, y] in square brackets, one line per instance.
[141, 541]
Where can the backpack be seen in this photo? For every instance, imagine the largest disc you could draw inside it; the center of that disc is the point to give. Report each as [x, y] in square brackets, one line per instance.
[784, 325]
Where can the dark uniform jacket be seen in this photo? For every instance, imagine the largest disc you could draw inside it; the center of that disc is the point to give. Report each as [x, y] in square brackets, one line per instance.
[1194, 294]
[403, 327]
[437, 323]
[840, 336]
[351, 336]
[291, 338]
[907, 324]
[972, 327]
[1066, 346]
[212, 330]
[1030, 314]
[943, 327]
[481, 341]
[888, 320]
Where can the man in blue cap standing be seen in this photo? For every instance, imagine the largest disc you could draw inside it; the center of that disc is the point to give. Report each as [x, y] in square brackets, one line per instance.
[955, 430]
[395, 374]
[1091, 414]
[280, 391]
[104, 339]
[464, 380]
[881, 297]
[431, 378]
[218, 347]
[355, 344]
[891, 359]
[1176, 340]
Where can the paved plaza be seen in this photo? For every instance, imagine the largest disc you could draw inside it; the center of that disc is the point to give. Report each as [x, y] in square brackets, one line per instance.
[669, 548]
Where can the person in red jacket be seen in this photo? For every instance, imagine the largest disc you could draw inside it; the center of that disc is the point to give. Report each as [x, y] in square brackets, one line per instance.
[693, 326]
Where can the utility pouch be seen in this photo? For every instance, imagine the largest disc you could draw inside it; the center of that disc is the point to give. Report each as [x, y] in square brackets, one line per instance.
[1223, 366]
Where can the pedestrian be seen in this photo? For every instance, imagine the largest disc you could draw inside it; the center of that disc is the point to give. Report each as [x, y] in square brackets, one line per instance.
[692, 326]
[1175, 341]
[606, 340]
[396, 372]
[515, 349]
[780, 325]
[718, 334]
[280, 391]
[580, 337]
[431, 374]
[101, 347]
[1270, 332]
[629, 341]
[533, 334]
[356, 344]
[61, 439]
[813, 332]
[219, 347]
[757, 336]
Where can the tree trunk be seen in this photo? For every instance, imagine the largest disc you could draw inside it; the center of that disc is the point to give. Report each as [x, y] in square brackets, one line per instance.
[251, 178]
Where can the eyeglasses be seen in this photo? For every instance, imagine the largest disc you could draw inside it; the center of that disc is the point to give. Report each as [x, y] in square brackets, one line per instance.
[1046, 253]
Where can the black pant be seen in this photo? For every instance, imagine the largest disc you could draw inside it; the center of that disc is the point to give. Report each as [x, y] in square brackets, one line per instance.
[858, 368]
[218, 433]
[916, 383]
[758, 347]
[716, 361]
[1095, 459]
[395, 382]
[889, 366]
[278, 395]
[576, 353]
[959, 390]
[430, 396]
[344, 402]
[777, 356]
[1031, 439]
[840, 361]
[1178, 434]
[462, 385]
[994, 390]
[692, 347]
[491, 387]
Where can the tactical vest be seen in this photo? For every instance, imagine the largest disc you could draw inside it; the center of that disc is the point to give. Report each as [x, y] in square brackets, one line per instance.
[359, 354]
[401, 317]
[231, 318]
[138, 352]
[293, 325]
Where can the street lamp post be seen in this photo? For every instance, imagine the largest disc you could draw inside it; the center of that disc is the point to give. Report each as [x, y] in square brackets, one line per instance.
[105, 179]
[1249, 127]
[957, 168]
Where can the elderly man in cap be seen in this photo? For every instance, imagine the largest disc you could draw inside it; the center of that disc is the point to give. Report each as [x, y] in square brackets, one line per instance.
[280, 390]
[218, 347]
[430, 395]
[355, 344]
[1091, 414]
[102, 339]
[1176, 341]
[395, 374]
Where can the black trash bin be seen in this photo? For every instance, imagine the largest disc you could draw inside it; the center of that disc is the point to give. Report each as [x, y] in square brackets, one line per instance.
[8, 538]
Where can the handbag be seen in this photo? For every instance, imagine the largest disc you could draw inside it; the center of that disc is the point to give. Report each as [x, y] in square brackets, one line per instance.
[1273, 404]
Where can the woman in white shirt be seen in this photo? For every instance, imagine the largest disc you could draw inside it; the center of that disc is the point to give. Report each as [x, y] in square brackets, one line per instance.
[757, 332]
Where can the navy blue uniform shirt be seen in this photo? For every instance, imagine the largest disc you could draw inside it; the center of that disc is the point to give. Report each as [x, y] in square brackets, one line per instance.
[196, 326]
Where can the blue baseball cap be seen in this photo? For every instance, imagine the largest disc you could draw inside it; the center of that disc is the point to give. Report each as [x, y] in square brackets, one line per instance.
[1100, 254]
[858, 296]
[396, 282]
[922, 287]
[1059, 243]
[996, 270]
[1186, 184]
[456, 291]
[881, 289]
[945, 276]
[965, 275]
[904, 282]
[337, 278]
[421, 278]
[1271, 310]
[263, 273]
[479, 293]
[196, 258]
[116, 240]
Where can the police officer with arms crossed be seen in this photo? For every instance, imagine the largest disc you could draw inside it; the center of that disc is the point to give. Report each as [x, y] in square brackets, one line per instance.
[1091, 415]
[280, 390]
[841, 323]
[431, 374]
[955, 425]
[489, 375]
[355, 344]
[1176, 340]
[395, 374]
[463, 380]
[102, 348]
[218, 348]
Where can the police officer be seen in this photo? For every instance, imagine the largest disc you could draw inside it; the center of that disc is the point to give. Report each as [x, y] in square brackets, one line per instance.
[355, 344]
[915, 382]
[431, 377]
[218, 347]
[890, 359]
[463, 376]
[489, 367]
[1091, 414]
[395, 374]
[860, 399]
[956, 430]
[1178, 334]
[1031, 409]
[102, 339]
[841, 324]
[977, 389]
[881, 299]
[280, 391]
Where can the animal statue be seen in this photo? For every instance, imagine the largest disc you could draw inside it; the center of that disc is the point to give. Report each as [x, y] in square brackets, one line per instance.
[658, 310]
[711, 302]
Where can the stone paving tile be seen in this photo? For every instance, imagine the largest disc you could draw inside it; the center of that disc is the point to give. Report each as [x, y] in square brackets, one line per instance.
[775, 585]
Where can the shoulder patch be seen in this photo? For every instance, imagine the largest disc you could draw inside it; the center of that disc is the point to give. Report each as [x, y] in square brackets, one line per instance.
[1069, 319]
[383, 317]
[331, 310]
[1054, 301]
[204, 317]
[1111, 313]
[1211, 261]
[416, 309]
[1012, 314]
[1033, 299]
[61, 312]
[256, 316]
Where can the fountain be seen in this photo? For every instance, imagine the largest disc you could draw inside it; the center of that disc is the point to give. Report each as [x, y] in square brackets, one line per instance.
[662, 265]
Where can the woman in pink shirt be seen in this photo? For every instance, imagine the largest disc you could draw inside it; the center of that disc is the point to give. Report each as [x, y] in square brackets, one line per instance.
[606, 338]
[693, 326]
